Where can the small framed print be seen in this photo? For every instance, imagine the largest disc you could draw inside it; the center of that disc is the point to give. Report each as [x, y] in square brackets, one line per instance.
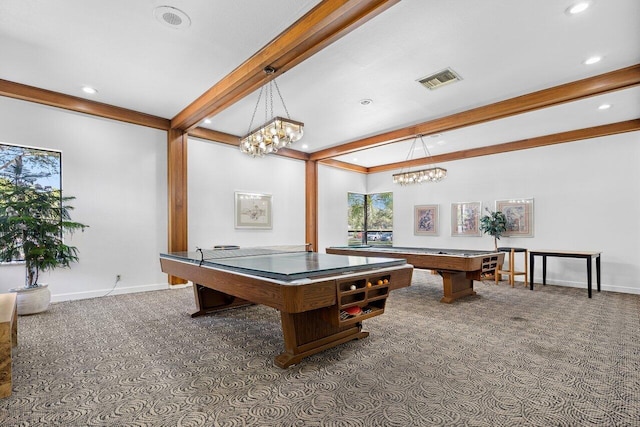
[519, 213]
[426, 220]
[253, 210]
[465, 219]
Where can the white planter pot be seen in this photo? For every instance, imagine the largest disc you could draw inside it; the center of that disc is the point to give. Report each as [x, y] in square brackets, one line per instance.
[33, 300]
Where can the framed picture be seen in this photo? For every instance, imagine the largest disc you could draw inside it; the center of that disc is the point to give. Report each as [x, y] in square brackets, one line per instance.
[465, 219]
[426, 220]
[519, 213]
[253, 210]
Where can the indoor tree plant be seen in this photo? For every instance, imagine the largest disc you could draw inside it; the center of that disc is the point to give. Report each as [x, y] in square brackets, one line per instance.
[33, 222]
[494, 224]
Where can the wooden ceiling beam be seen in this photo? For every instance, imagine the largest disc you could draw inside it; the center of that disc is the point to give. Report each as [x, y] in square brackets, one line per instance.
[574, 91]
[214, 135]
[524, 144]
[344, 165]
[80, 105]
[321, 26]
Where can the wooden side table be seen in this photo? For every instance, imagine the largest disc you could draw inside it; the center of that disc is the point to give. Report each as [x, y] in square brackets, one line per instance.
[8, 339]
[512, 272]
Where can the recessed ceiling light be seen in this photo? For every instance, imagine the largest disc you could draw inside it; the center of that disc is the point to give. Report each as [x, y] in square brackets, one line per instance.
[304, 146]
[207, 121]
[366, 101]
[90, 90]
[355, 159]
[172, 17]
[593, 60]
[604, 107]
[578, 8]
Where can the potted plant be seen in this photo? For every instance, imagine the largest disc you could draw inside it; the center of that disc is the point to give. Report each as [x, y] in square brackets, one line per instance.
[33, 222]
[494, 224]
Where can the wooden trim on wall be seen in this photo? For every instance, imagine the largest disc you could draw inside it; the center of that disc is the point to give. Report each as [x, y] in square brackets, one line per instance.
[80, 105]
[608, 82]
[524, 144]
[311, 204]
[177, 194]
[321, 26]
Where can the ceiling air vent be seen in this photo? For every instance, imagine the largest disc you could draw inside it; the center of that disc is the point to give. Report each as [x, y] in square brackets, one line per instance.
[440, 79]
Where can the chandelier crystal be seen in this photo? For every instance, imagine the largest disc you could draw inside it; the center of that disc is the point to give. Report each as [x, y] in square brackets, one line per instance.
[433, 174]
[274, 134]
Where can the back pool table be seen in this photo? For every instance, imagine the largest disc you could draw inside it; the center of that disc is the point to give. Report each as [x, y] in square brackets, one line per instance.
[458, 267]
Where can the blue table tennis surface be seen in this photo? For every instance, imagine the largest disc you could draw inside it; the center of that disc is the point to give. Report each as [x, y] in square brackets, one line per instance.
[285, 266]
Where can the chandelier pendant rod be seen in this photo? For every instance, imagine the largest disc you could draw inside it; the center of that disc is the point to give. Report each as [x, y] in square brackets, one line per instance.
[255, 110]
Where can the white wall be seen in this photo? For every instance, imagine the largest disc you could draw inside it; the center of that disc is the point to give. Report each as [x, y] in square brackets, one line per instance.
[217, 171]
[117, 172]
[586, 197]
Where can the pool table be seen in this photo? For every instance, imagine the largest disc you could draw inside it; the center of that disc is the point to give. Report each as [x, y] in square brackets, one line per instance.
[458, 267]
[323, 299]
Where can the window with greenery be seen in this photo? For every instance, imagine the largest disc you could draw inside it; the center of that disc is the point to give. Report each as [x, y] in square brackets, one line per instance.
[370, 219]
[31, 169]
[33, 166]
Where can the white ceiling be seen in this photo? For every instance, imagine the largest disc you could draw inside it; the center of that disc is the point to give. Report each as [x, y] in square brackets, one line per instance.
[501, 49]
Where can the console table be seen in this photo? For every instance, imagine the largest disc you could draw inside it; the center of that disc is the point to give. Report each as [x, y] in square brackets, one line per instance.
[565, 254]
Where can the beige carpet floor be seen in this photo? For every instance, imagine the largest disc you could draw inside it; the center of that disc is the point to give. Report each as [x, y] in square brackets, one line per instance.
[507, 357]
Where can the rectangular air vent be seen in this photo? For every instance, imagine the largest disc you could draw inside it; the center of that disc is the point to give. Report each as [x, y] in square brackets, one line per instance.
[440, 79]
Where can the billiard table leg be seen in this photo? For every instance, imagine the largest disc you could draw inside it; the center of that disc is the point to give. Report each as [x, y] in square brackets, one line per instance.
[209, 300]
[455, 285]
[308, 333]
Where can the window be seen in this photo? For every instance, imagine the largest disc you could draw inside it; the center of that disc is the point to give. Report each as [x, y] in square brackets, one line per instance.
[33, 166]
[370, 219]
[30, 168]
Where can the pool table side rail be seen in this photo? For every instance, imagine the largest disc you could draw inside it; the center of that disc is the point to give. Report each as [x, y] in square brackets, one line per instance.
[484, 263]
[317, 293]
[281, 275]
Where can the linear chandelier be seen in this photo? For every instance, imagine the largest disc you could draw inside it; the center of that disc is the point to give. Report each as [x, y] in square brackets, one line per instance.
[432, 174]
[277, 132]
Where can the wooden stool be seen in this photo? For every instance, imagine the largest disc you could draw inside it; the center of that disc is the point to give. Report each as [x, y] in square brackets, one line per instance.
[8, 339]
[511, 271]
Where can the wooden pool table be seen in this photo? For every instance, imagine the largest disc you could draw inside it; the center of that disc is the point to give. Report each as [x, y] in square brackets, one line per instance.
[315, 293]
[458, 267]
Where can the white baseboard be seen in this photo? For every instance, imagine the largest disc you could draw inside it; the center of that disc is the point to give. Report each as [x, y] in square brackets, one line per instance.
[161, 286]
[117, 291]
[594, 286]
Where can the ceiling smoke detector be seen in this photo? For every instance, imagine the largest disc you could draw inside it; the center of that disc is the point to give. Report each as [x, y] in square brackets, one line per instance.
[172, 17]
[440, 79]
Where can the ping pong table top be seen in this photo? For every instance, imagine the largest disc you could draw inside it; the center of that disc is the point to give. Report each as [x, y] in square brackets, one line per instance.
[278, 264]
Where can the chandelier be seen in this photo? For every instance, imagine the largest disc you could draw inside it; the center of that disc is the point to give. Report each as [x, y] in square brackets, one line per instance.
[433, 174]
[276, 132]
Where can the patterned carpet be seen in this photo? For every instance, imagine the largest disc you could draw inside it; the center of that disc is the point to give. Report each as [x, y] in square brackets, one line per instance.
[507, 357]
